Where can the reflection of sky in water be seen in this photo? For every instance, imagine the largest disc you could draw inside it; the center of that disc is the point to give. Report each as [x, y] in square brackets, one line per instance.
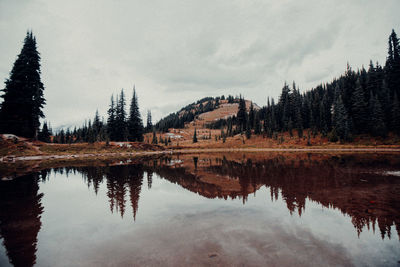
[3, 255]
[176, 226]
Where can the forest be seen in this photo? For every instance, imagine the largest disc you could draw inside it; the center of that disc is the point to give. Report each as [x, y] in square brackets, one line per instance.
[358, 102]
[363, 101]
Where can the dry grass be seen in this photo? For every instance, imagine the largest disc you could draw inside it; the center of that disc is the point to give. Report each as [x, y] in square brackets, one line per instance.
[284, 140]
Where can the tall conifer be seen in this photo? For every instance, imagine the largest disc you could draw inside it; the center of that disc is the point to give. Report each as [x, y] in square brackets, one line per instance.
[135, 124]
[23, 94]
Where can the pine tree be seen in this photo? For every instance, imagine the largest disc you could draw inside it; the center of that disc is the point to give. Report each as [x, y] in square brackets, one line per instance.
[154, 140]
[111, 120]
[340, 120]
[392, 67]
[121, 130]
[195, 136]
[62, 137]
[396, 115]
[257, 124]
[284, 108]
[251, 116]
[149, 125]
[377, 124]
[44, 134]
[97, 125]
[359, 108]
[248, 130]
[135, 125]
[23, 94]
[241, 115]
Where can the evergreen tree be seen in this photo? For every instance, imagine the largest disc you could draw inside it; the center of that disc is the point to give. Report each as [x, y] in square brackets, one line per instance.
[359, 108]
[121, 130]
[45, 133]
[396, 115]
[251, 116]
[248, 130]
[61, 137]
[392, 67]
[284, 108]
[149, 125]
[135, 125]
[340, 120]
[195, 136]
[241, 115]
[111, 120]
[223, 135]
[377, 124]
[154, 140]
[97, 125]
[257, 124]
[23, 93]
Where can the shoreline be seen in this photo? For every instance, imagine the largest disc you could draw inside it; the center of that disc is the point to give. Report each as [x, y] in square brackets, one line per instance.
[12, 158]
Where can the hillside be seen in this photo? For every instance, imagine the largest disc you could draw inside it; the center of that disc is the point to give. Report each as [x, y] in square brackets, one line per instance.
[203, 111]
[179, 127]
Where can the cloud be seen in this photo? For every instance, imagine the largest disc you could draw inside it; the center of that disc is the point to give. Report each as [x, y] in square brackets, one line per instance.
[178, 51]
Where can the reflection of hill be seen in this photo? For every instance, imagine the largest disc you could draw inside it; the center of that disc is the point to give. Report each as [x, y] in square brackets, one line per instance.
[208, 184]
[20, 211]
[355, 186]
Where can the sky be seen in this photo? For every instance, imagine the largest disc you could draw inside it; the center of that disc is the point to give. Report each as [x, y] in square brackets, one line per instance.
[178, 51]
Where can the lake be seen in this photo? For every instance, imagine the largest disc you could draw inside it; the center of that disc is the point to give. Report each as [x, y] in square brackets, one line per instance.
[251, 209]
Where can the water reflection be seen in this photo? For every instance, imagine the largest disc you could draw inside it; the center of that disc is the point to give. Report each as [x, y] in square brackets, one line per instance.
[20, 211]
[364, 187]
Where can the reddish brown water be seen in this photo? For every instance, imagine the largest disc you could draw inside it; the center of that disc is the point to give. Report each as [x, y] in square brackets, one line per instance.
[234, 209]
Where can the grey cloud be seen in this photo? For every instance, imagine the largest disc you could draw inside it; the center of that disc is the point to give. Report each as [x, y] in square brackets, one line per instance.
[177, 51]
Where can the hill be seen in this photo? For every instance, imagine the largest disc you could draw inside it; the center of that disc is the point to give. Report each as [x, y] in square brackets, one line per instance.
[202, 112]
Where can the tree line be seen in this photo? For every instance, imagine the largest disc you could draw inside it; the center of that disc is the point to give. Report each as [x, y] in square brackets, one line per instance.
[120, 125]
[358, 102]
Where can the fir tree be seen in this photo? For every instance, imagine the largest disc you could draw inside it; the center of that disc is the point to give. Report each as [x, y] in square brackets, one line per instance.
[251, 116]
[340, 119]
[241, 115]
[44, 134]
[97, 125]
[195, 136]
[135, 125]
[392, 67]
[377, 124]
[248, 130]
[396, 115]
[149, 125]
[257, 124]
[121, 130]
[111, 120]
[23, 94]
[154, 140]
[359, 108]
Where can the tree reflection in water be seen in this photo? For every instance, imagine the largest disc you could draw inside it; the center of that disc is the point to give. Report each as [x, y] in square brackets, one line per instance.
[20, 211]
[354, 184]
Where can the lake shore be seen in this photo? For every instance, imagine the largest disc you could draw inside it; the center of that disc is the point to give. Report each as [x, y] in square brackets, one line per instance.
[113, 155]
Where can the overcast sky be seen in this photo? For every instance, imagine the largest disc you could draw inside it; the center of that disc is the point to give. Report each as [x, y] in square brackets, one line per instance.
[178, 51]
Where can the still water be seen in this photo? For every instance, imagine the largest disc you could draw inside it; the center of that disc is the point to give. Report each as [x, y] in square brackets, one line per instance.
[249, 209]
